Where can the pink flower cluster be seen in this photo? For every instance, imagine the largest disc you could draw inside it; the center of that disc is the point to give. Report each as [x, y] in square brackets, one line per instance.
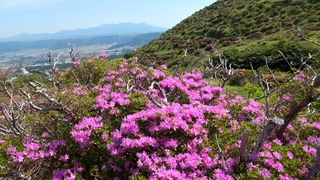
[76, 63]
[68, 174]
[300, 77]
[81, 132]
[80, 91]
[272, 160]
[170, 135]
[107, 100]
[316, 125]
[178, 126]
[34, 150]
[103, 55]
[155, 136]
[308, 149]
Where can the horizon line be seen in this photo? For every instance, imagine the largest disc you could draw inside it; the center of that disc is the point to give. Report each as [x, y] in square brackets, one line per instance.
[80, 28]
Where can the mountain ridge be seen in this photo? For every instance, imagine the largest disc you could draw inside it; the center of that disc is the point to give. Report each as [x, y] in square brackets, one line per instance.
[53, 44]
[102, 30]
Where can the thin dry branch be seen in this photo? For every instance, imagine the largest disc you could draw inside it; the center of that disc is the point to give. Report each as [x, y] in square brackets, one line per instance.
[243, 146]
[302, 35]
[222, 70]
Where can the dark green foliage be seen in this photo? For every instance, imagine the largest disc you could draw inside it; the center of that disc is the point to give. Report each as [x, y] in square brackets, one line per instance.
[256, 54]
[245, 30]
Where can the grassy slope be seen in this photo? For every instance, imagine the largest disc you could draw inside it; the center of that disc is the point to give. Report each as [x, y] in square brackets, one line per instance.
[244, 30]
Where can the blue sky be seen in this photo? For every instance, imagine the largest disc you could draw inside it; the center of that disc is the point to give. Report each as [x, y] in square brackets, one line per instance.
[37, 16]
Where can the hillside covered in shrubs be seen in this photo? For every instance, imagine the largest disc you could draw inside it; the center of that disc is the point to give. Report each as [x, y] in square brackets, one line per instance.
[243, 30]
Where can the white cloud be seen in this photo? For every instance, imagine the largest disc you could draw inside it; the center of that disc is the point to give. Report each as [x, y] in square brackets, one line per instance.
[7, 4]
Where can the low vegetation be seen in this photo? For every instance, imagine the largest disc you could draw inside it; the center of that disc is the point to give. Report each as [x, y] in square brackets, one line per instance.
[118, 119]
[246, 31]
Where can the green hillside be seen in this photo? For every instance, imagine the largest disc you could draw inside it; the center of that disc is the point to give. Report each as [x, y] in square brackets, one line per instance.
[243, 30]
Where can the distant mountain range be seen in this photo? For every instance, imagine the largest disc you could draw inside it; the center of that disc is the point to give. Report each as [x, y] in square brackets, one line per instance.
[34, 53]
[103, 30]
[116, 41]
[116, 35]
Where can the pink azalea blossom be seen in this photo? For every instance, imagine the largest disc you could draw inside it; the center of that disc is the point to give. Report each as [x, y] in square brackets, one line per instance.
[2, 142]
[300, 77]
[277, 155]
[103, 55]
[287, 98]
[277, 142]
[76, 63]
[64, 158]
[290, 155]
[316, 125]
[265, 173]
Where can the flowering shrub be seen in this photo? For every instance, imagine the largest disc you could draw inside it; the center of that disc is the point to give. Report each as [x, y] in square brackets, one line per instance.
[144, 123]
[34, 151]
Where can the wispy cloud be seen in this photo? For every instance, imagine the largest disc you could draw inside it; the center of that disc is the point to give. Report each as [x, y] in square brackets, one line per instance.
[7, 4]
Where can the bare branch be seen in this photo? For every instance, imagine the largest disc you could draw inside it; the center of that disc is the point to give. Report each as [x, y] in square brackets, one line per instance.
[243, 146]
[285, 58]
[263, 136]
[221, 71]
[221, 152]
[302, 35]
[163, 94]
